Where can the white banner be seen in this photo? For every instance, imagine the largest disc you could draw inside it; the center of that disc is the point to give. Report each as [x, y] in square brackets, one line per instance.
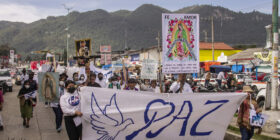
[126, 115]
[180, 43]
[149, 69]
[106, 73]
[32, 94]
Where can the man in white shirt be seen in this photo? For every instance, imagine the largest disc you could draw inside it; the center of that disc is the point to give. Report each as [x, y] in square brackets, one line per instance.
[101, 81]
[180, 86]
[220, 77]
[24, 76]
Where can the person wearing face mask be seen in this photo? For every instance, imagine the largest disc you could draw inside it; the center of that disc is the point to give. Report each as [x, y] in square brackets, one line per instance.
[70, 105]
[145, 86]
[33, 88]
[24, 76]
[243, 119]
[25, 103]
[181, 86]
[82, 79]
[154, 88]
[101, 81]
[56, 106]
[131, 83]
[114, 84]
[92, 79]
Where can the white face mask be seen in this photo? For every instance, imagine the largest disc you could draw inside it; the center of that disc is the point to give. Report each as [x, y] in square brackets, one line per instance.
[27, 86]
[82, 78]
[115, 82]
[61, 83]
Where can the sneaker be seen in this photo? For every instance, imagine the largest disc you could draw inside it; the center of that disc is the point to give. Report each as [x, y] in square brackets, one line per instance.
[58, 129]
[1, 128]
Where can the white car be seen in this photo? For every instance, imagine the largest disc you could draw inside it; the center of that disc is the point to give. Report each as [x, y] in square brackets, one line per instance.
[201, 81]
[6, 80]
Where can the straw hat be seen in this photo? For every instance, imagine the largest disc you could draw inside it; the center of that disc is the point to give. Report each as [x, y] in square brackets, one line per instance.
[247, 89]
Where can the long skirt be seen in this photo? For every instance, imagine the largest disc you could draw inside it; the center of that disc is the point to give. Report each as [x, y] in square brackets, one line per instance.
[26, 110]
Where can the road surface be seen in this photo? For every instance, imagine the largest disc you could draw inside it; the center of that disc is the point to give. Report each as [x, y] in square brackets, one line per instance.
[42, 125]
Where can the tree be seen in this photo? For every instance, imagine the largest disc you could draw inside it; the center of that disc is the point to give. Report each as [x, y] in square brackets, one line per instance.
[4, 50]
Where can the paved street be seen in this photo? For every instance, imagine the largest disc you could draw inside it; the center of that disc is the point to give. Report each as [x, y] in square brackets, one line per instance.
[42, 125]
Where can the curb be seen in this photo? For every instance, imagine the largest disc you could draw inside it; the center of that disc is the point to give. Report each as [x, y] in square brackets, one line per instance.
[232, 136]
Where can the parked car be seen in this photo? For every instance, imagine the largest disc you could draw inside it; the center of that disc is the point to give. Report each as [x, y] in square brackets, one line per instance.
[201, 80]
[6, 80]
[261, 97]
[261, 76]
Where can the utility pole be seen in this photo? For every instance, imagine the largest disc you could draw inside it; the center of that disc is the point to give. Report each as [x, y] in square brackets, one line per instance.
[213, 49]
[205, 36]
[159, 63]
[67, 31]
[274, 76]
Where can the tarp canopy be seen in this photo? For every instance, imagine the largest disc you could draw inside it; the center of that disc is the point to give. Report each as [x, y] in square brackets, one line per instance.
[219, 68]
[237, 68]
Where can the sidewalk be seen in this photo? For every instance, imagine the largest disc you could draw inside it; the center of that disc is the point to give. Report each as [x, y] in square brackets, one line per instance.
[265, 131]
[42, 125]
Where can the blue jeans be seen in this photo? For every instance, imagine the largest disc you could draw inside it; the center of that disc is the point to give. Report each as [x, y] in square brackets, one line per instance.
[206, 83]
[245, 133]
[219, 83]
[58, 116]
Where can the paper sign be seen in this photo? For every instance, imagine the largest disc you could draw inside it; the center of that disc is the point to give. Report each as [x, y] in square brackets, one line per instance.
[257, 119]
[149, 69]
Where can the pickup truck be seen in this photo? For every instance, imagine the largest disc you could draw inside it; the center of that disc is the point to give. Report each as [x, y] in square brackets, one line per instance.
[6, 80]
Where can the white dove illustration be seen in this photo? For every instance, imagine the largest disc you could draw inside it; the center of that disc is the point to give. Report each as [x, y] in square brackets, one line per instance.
[108, 125]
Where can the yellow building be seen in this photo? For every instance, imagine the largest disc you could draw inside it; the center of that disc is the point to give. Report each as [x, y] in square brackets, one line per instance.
[205, 51]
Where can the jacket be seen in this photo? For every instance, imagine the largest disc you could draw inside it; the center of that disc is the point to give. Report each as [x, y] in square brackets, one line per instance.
[70, 103]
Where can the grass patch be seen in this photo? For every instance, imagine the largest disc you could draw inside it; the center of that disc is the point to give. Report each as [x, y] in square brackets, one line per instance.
[257, 137]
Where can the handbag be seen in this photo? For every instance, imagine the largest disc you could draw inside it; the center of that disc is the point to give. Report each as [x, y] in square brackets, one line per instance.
[256, 119]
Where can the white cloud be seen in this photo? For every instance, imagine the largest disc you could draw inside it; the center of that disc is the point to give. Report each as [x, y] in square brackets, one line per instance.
[25, 13]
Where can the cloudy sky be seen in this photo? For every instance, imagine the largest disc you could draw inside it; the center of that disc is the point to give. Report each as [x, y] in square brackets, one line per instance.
[32, 10]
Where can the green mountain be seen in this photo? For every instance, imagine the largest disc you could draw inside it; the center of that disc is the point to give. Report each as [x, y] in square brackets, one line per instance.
[137, 29]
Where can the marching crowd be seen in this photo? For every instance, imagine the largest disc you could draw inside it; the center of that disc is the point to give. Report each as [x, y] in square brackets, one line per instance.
[69, 104]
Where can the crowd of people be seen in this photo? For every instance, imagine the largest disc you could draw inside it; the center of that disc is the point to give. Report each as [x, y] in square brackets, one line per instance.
[68, 106]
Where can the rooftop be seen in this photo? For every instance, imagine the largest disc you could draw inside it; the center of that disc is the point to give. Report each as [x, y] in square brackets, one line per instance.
[217, 46]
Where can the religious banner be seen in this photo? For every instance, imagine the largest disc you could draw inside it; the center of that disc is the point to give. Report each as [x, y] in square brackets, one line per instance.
[83, 51]
[48, 86]
[131, 115]
[149, 69]
[83, 47]
[180, 43]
